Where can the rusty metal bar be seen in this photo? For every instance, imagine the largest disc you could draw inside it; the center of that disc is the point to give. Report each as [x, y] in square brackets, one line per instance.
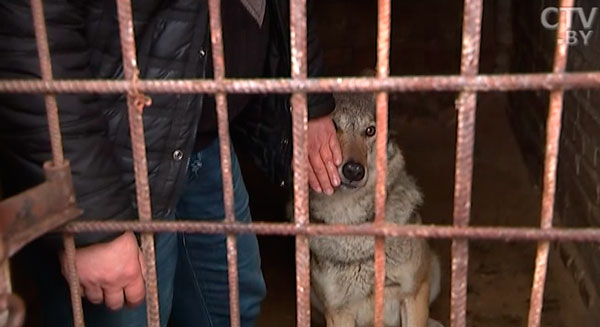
[466, 105]
[73, 279]
[300, 158]
[214, 8]
[383, 71]
[481, 83]
[41, 39]
[506, 234]
[135, 105]
[553, 127]
[28, 215]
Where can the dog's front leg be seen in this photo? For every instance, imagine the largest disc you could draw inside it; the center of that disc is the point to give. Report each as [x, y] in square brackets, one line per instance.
[340, 318]
[415, 308]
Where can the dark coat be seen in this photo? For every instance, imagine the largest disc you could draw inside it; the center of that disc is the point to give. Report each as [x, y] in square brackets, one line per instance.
[171, 39]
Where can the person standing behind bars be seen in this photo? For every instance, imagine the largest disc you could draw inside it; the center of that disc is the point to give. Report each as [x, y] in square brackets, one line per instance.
[173, 42]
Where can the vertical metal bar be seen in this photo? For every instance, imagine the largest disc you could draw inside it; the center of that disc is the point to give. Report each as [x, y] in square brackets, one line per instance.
[41, 39]
[466, 105]
[553, 127]
[135, 105]
[225, 153]
[383, 71]
[73, 280]
[299, 120]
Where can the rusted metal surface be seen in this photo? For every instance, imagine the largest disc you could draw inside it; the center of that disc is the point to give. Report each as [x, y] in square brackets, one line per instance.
[299, 68]
[485, 83]
[507, 234]
[28, 215]
[43, 208]
[383, 71]
[216, 37]
[465, 105]
[41, 39]
[553, 127]
[135, 105]
[73, 279]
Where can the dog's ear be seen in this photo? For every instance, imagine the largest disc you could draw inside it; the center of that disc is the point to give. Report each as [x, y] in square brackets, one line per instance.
[368, 72]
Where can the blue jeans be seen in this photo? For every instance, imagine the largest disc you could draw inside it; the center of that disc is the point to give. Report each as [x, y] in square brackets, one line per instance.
[201, 296]
[191, 268]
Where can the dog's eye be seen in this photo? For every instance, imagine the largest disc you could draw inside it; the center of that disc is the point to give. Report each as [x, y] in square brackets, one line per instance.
[370, 131]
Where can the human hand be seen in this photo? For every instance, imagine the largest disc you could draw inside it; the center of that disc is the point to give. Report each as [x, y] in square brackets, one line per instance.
[324, 155]
[110, 272]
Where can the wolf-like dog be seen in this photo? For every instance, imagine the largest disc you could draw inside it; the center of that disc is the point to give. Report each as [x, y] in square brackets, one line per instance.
[342, 267]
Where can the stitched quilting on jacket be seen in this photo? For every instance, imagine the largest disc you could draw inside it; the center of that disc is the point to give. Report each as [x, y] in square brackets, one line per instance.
[172, 43]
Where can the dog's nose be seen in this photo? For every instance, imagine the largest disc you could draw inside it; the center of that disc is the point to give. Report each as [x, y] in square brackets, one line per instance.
[353, 171]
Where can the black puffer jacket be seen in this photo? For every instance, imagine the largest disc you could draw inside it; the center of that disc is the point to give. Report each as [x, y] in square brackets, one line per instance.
[171, 39]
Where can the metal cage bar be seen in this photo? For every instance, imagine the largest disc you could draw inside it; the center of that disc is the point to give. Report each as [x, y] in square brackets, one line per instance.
[383, 70]
[506, 234]
[216, 37]
[73, 280]
[553, 127]
[480, 83]
[58, 159]
[300, 158]
[468, 82]
[135, 105]
[466, 105]
[41, 39]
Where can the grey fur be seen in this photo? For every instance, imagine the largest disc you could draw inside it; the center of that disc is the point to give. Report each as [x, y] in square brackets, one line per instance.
[342, 267]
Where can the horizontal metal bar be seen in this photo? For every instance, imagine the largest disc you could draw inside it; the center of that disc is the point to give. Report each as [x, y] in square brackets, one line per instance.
[387, 229]
[546, 81]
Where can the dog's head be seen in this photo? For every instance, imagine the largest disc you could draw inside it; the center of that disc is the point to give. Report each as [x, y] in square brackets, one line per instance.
[354, 119]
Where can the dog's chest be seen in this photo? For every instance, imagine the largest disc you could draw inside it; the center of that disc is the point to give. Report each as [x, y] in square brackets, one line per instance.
[338, 284]
[342, 210]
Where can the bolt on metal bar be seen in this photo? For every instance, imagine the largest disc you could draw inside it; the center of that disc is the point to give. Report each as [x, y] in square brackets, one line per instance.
[73, 279]
[383, 71]
[214, 8]
[41, 39]
[135, 104]
[300, 158]
[481, 83]
[466, 105]
[553, 127]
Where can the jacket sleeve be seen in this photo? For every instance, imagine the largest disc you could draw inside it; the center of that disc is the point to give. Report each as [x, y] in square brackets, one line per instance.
[319, 104]
[24, 137]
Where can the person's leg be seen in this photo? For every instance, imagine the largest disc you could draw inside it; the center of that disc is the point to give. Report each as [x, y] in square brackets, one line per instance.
[201, 296]
[55, 296]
